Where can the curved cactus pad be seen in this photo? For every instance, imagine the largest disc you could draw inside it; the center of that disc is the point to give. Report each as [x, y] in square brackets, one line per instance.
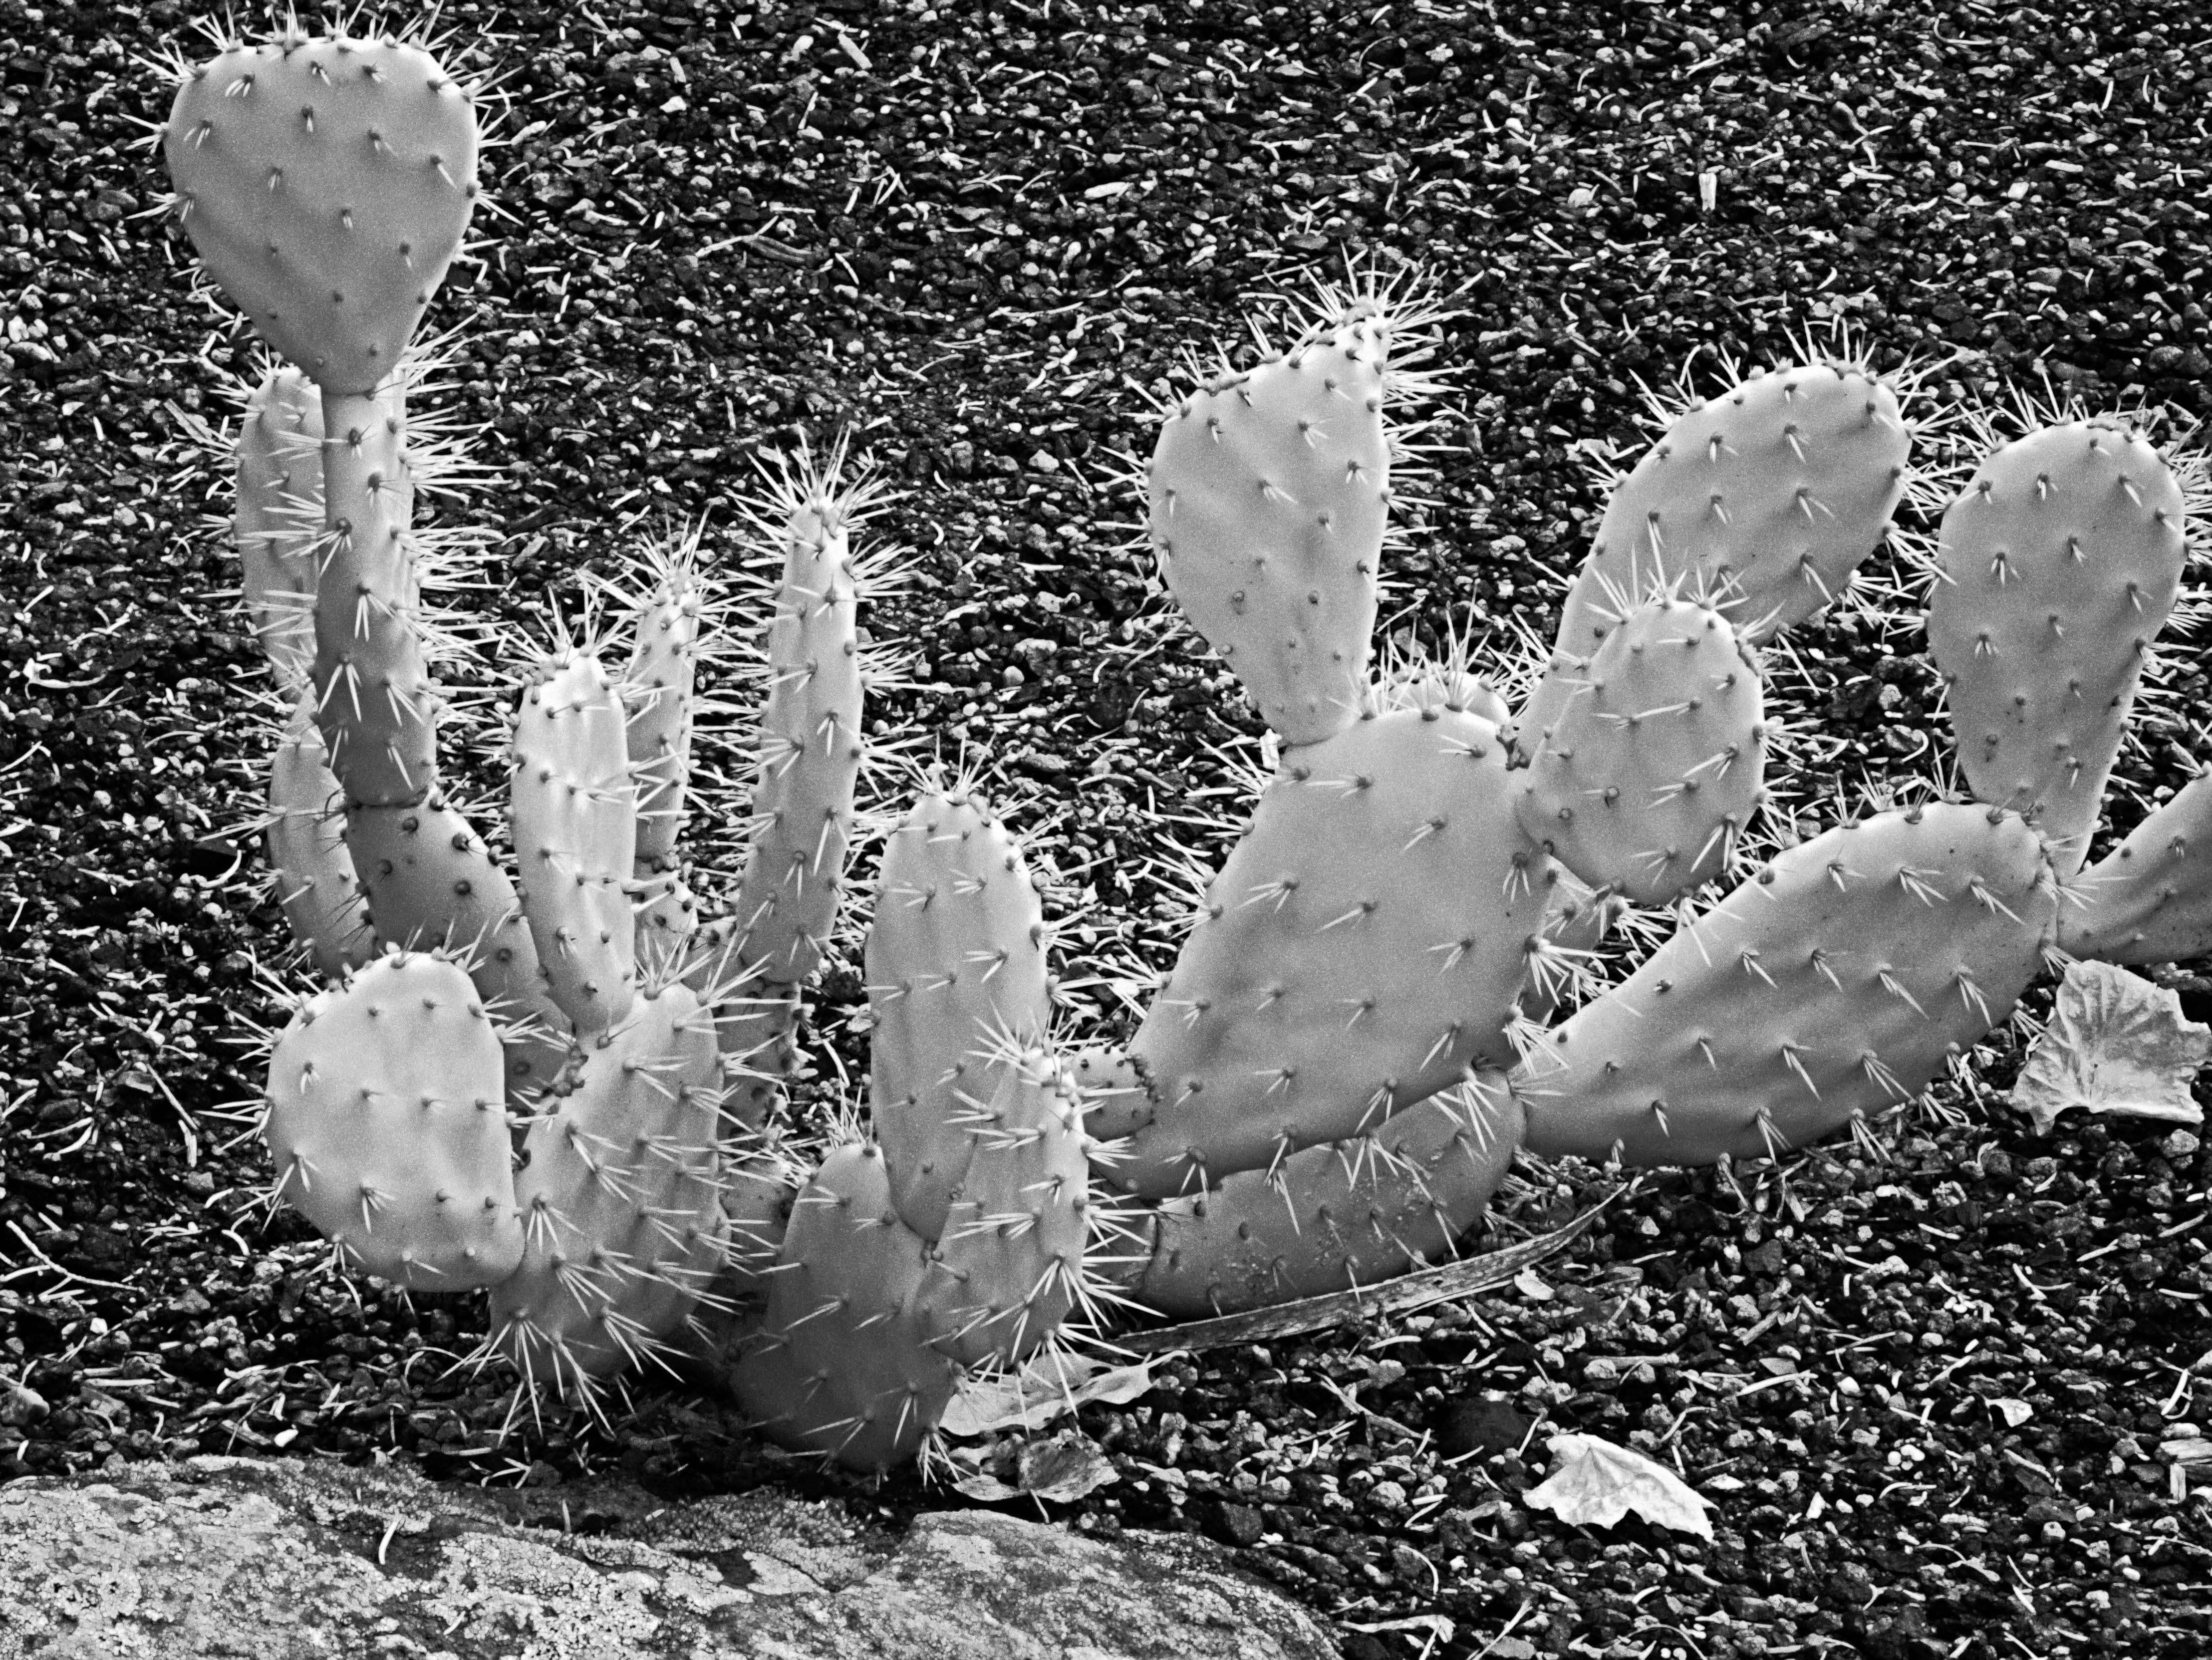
[1765, 499]
[1009, 1264]
[430, 881]
[2149, 900]
[1338, 1216]
[842, 1364]
[327, 184]
[1270, 491]
[621, 1196]
[1361, 948]
[305, 843]
[1837, 981]
[2058, 565]
[955, 961]
[1652, 754]
[388, 1123]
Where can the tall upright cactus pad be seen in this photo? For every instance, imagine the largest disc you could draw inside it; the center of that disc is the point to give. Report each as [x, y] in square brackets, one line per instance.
[1653, 757]
[1268, 493]
[1361, 948]
[2149, 900]
[620, 1197]
[574, 818]
[327, 184]
[1765, 499]
[1836, 981]
[811, 750]
[658, 690]
[1009, 1265]
[1337, 1216]
[305, 843]
[957, 964]
[276, 516]
[388, 1123]
[842, 1364]
[2056, 567]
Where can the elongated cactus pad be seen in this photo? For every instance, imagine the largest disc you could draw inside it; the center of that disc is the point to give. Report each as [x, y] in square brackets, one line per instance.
[305, 843]
[1008, 1265]
[1337, 1216]
[810, 747]
[1765, 499]
[957, 964]
[621, 1199]
[1361, 948]
[388, 1123]
[1268, 495]
[659, 692]
[1652, 754]
[277, 516]
[326, 184]
[574, 817]
[842, 1364]
[1836, 981]
[2058, 565]
[2149, 900]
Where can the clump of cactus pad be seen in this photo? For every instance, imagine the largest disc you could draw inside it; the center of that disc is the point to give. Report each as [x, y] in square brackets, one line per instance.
[1553, 904]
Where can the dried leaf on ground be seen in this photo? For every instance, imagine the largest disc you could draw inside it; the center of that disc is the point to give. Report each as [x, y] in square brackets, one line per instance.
[1062, 1468]
[1597, 1483]
[2116, 1043]
[1047, 1387]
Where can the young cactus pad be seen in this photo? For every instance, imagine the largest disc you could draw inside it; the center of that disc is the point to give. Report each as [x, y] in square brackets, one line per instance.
[843, 1363]
[387, 1125]
[2057, 565]
[327, 184]
[1654, 756]
[956, 962]
[1836, 981]
[620, 1195]
[574, 816]
[1765, 499]
[2149, 900]
[1361, 948]
[305, 843]
[1268, 493]
[1338, 1216]
[1009, 1265]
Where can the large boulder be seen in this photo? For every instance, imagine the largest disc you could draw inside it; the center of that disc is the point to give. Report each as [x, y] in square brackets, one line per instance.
[285, 1560]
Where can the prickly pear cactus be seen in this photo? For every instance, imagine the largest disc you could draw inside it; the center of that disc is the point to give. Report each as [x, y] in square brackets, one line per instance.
[2058, 565]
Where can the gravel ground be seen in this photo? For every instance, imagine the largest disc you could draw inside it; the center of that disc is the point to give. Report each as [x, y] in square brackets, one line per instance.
[1926, 1385]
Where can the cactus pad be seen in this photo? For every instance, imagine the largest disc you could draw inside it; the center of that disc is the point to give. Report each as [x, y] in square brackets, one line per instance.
[1652, 754]
[1765, 499]
[1362, 946]
[1836, 981]
[2058, 565]
[387, 1124]
[326, 184]
[1337, 1216]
